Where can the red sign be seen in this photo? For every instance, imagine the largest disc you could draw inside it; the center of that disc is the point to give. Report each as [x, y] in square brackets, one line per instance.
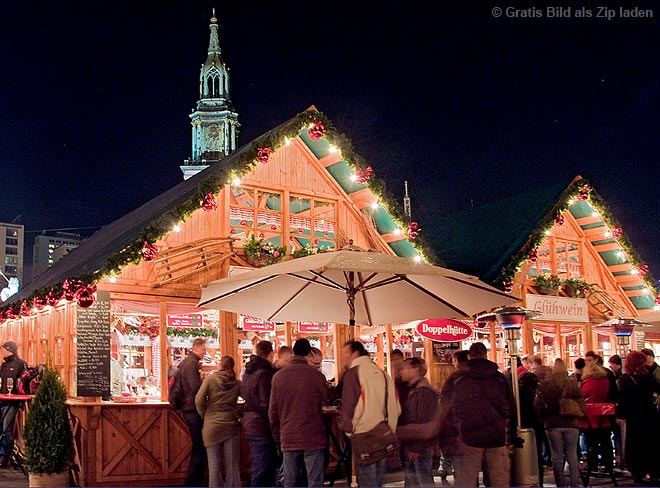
[187, 320]
[253, 323]
[444, 330]
[313, 327]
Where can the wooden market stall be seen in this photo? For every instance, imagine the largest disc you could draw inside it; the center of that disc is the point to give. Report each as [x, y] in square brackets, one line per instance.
[129, 291]
[560, 250]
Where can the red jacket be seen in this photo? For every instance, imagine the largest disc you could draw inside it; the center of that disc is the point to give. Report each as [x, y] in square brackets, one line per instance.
[595, 390]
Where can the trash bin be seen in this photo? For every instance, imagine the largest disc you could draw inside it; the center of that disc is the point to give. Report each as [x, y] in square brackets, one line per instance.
[525, 463]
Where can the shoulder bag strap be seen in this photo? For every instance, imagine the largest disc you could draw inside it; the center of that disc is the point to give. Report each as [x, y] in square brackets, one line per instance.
[385, 403]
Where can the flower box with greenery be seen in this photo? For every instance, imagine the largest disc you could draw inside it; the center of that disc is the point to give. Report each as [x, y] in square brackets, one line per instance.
[262, 253]
[577, 287]
[308, 250]
[547, 284]
[48, 436]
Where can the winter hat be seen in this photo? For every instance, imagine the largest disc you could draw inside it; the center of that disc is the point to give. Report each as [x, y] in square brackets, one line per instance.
[616, 359]
[11, 347]
[302, 347]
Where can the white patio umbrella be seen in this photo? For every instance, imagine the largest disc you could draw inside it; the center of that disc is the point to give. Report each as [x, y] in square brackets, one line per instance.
[353, 286]
[651, 318]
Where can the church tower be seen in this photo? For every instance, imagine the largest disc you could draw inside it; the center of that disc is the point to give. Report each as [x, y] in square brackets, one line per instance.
[214, 122]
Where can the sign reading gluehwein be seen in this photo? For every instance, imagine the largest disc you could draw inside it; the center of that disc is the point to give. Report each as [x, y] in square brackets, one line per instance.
[561, 309]
[444, 330]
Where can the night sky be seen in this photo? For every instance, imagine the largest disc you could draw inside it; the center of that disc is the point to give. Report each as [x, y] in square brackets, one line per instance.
[467, 107]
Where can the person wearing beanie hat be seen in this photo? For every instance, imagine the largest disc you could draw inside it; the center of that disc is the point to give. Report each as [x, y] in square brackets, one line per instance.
[11, 370]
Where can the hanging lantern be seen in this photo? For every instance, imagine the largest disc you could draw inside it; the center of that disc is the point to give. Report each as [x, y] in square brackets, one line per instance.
[617, 232]
[149, 252]
[85, 296]
[316, 131]
[263, 154]
[209, 202]
[559, 220]
[25, 309]
[53, 297]
[413, 230]
[363, 175]
[533, 255]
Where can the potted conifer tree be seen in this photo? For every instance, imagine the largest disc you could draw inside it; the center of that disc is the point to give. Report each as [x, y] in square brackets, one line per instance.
[48, 436]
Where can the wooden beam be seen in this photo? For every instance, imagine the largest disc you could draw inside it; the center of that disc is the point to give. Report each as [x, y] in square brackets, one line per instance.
[610, 246]
[589, 219]
[330, 159]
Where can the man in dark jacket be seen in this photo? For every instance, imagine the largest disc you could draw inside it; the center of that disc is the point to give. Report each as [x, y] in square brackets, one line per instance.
[255, 390]
[191, 380]
[481, 400]
[297, 396]
[421, 403]
[10, 371]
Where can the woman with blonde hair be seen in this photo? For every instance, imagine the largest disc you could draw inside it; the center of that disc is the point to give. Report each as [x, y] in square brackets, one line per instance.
[562, 430]
[216, 404]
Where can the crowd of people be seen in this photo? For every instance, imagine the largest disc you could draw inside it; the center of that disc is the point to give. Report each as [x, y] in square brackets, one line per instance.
[470, 425]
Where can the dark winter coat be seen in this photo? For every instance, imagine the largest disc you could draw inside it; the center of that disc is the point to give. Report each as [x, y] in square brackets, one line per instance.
[637, 406]
[419, 408]
[547, 401]
[190, 379]
[12, 367]
[255, 390]
[297, 397]
[481, 401]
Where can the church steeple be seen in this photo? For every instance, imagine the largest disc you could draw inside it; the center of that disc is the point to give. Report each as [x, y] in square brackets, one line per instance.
[214, 122]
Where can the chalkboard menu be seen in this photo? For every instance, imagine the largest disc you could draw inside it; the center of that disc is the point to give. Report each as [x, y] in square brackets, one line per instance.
[639, 341]
[93, 344]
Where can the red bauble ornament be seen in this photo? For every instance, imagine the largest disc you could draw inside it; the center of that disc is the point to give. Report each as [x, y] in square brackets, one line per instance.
[10, 313]
[533, 255]
[584, 191]
[316, 131]
[71, 287]
[559, 220]
[261, 235]
[39, 302]
[149, 252]
[209, 202]
[657, 300]
[413, 230]
[53, 297]
[243, 223]
[643, 269]
[273, 227]
[263, 154]
[25, 309]
[232, 232]
[617, 232]
[508, 286]
[363, 175]
[85, 296]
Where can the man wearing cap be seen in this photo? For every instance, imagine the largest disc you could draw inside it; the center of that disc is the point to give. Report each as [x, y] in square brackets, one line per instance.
[10, 371]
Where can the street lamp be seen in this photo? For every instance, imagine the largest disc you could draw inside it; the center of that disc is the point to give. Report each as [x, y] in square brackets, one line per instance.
[623, 329]
[525, 461]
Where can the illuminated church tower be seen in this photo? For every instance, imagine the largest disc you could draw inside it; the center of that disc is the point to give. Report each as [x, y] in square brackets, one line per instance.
[214, 122]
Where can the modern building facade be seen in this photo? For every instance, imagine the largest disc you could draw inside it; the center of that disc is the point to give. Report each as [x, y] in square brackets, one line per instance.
[49, 248]
[214, 121]
[11, 252]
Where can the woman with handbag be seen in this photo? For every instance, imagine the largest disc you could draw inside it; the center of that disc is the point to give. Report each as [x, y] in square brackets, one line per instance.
[562, 429]
[597, 428]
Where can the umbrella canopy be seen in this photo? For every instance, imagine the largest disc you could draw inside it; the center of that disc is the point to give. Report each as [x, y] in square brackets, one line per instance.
[652, 318]
[352, 286]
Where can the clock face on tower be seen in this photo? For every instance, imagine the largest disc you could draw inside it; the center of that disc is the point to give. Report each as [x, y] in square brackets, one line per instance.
[213, 131]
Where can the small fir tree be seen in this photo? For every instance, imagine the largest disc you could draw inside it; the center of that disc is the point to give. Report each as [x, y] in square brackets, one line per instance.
[47, 434]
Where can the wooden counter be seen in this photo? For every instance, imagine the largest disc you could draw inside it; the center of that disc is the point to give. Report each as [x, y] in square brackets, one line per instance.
[129, 444]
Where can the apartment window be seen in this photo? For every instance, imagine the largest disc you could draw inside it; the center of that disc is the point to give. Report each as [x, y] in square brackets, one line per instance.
[11, 260]
[12, 233]
[11, 241]
[11, 250]
[11, 270]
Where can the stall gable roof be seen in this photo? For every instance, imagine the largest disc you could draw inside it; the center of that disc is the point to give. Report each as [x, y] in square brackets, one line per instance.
[121, 242]
[493, 241]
